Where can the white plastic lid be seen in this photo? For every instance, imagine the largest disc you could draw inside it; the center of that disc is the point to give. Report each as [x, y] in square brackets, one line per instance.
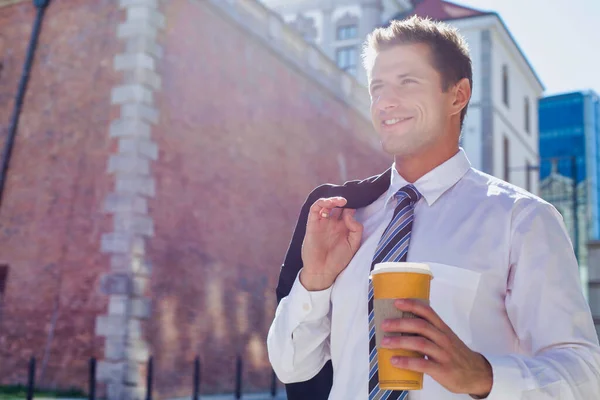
[385, 267]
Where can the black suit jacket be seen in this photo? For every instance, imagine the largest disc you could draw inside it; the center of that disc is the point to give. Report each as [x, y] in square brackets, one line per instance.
[359, 194]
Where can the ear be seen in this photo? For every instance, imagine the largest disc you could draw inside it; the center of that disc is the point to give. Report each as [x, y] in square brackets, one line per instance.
[462, 95]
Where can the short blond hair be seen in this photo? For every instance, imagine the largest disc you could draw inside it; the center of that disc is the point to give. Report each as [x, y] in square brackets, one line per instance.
[449, 49]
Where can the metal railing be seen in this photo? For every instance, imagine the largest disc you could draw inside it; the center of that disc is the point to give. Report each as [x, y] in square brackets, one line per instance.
[239, 369]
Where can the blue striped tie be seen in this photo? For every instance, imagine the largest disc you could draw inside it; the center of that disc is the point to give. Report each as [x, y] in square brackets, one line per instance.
[393, 246]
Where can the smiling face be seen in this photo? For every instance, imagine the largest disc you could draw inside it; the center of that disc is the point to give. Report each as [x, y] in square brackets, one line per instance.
[410, 111]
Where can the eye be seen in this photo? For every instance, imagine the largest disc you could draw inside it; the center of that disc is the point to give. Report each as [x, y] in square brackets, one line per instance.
[407, 81]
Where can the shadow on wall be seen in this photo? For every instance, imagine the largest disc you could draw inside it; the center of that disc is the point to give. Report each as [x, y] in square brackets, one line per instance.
[217, 312]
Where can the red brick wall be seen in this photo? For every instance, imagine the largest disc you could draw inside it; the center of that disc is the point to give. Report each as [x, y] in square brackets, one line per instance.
[51, 216]
[243, 138]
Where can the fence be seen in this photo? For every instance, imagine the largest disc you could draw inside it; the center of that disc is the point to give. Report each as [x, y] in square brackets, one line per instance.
[150, 376]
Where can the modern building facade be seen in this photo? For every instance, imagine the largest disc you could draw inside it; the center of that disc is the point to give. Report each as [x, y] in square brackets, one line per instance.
[500, 134]
[570, 163]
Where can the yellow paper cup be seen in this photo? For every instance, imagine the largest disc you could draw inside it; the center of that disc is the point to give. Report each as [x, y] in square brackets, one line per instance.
[391, 281]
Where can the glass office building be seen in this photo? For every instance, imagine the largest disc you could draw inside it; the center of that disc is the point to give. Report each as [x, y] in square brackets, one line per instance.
[569, 126]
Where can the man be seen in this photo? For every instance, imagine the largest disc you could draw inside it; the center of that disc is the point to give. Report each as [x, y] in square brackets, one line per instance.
[507, 318]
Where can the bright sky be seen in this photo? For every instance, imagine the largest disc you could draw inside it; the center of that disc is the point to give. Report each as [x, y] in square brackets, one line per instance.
[561, 38]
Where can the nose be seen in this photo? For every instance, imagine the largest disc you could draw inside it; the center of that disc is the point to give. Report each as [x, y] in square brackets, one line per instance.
[386, 101]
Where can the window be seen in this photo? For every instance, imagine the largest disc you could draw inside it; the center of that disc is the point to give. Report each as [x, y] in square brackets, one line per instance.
[346, 58]
[527, 115]
[506, 149]
[347, 32]
[505, 85]
[528, 176]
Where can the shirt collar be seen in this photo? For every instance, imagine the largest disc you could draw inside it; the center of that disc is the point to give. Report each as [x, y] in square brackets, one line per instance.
[434, 183]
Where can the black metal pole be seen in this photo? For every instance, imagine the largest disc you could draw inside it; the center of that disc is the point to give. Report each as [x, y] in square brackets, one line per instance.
[238, 377]
[196, 395]
[22, 89]
[273, 384]
[31, 379]
[575, 214]
[92, 389]
[149, 379]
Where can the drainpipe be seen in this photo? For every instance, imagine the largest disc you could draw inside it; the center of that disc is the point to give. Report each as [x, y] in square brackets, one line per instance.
[14, 120]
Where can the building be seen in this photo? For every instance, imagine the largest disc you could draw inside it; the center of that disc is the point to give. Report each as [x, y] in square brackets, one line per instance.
[339, 27]
[163, 153]
[500, 134]
[570, 161]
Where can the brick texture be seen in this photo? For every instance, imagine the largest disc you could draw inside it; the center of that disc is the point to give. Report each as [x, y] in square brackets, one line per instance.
[241, 138]
[51, 217]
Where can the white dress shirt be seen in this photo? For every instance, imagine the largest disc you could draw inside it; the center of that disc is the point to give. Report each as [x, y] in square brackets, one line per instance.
[505, 280]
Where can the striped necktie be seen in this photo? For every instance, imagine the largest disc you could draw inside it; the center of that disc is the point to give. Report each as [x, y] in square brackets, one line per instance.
[393, 246]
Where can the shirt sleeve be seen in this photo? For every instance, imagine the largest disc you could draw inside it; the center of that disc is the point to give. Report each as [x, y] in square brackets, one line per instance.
[298, 340]
[550, 316]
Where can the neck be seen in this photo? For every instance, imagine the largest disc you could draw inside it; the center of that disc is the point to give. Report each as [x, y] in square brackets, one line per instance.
[414, 166]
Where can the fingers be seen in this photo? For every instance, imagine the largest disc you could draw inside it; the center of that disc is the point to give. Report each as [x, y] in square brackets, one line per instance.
[352, 224]
[424, 311]
[336, 213]
[416, 364]
[415, 343]
[414, 325]
[322, 208]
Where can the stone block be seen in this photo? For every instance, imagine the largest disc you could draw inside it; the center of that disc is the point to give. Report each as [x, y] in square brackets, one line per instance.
[131, 93]
[137, 350]
[134, 331]
[117, 305]
[136, 28]
[115, 283]
[141, 307]
[114, 348]
[133, 373]
[135, 392]
[128, 163]
[142, 267]
[142, 146]
[139, 285]
[146, 14]
[111, 325]
[135, 224]
[132, 61]
[121, 263]
[135, 185]
[115, 391]
[138, 247]
[115, 242]
[124, 127]
[140, 111]
[142, 44]
[143, 76]
[110, 371]
[128, 203]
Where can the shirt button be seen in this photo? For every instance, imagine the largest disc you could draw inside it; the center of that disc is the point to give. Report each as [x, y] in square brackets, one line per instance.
[306, 306]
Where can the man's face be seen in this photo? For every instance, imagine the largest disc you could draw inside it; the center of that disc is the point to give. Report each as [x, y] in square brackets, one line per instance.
[410, 112]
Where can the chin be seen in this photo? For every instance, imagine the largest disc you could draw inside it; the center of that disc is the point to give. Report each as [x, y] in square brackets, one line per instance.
[404, 149]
